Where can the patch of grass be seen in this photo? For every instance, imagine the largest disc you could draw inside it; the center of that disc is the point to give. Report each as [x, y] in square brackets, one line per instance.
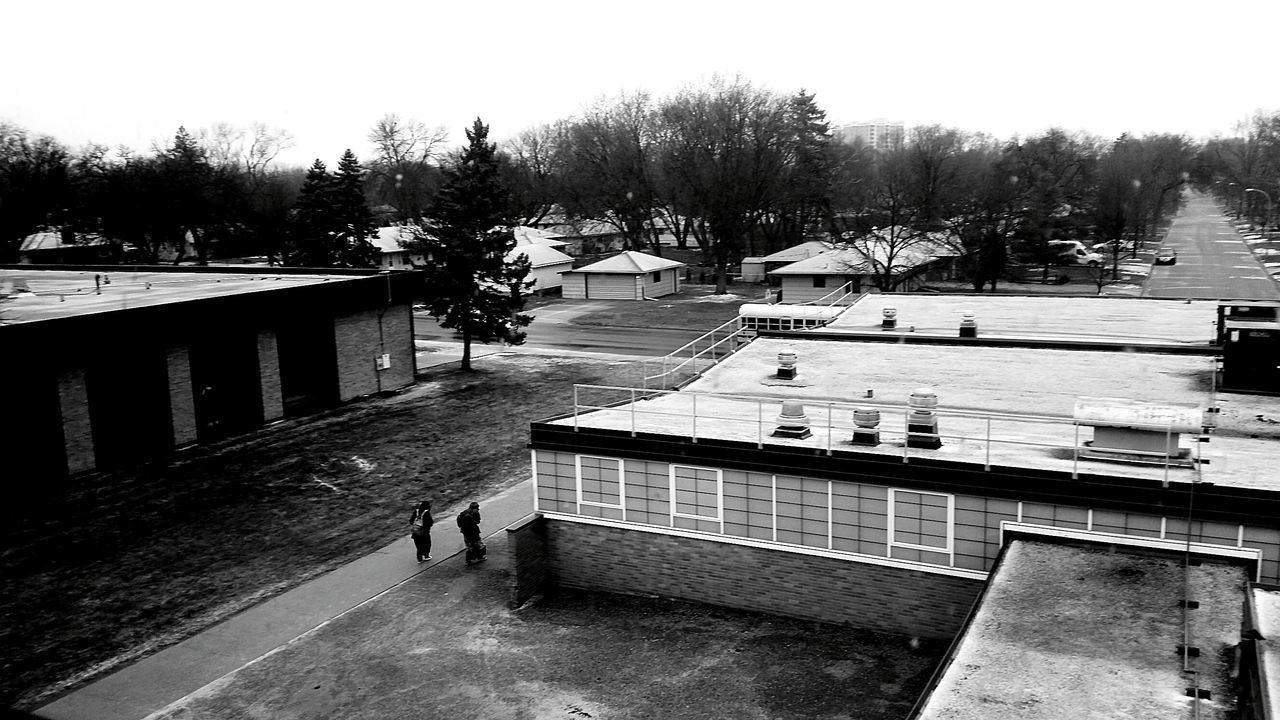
[134, 561]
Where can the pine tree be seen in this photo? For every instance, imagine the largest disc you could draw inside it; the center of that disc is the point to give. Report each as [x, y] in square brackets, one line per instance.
[470, 285]
[332, 224]
[354, 223]
[310, 242]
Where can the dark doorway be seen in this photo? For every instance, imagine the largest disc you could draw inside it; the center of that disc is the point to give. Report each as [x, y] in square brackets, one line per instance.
[308, 365]
[33, 457]
[226, 382]
[128, 388]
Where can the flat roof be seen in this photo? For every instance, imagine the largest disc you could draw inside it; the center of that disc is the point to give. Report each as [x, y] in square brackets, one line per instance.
[1078, 631]
[1024, 399]
[65, 293]
[1100, 319]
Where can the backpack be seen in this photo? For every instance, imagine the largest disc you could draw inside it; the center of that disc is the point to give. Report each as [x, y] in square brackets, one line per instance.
[420, 523]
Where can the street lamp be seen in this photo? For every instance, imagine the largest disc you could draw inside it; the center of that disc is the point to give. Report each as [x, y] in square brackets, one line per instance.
[1267, 215]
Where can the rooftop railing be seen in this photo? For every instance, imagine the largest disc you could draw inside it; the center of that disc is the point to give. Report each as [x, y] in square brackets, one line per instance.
[691, 360]
[697, 415]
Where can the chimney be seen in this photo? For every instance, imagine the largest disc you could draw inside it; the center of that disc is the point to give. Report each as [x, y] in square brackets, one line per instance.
[968, 326]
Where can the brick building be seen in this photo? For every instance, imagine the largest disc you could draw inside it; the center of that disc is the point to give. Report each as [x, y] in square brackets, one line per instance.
[1099, 419]
[106, 367]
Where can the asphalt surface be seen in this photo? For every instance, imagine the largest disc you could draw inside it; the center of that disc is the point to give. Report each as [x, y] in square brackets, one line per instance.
[1213, 260]
[151, 684]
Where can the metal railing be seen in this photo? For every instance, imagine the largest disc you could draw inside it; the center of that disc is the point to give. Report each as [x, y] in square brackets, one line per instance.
[756, 420]
[692, 359]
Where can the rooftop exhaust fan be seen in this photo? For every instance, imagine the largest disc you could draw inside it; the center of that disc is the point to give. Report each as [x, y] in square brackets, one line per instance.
[1137, 432]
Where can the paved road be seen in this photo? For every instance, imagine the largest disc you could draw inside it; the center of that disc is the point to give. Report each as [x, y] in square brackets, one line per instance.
[553, 329]
[1213, 261]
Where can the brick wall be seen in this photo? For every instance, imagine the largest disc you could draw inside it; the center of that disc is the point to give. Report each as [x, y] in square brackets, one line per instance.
[182, 401]
[527, 543]
[73, 399]
[269, 372]
[361, 338]
[798, 585]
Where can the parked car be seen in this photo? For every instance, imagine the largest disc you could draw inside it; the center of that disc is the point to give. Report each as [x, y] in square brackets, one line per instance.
[1166, 257]
[1075, 251]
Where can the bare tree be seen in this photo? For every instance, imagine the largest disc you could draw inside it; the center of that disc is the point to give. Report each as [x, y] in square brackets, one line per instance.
[609, 157]
[404, 170]
[532, 171]
[725, 151]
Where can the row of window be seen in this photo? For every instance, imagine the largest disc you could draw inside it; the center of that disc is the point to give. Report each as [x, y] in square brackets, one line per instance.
[916, 520]
[956, 531]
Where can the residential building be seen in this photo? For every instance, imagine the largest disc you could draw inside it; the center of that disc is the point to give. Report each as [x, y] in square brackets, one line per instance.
[392, 253]
[875, 134]
[629, 275]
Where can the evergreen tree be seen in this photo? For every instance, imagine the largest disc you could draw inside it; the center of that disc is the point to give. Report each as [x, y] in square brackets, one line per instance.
[353, 221]
[332, 224]
[470, 285]
[310, 244]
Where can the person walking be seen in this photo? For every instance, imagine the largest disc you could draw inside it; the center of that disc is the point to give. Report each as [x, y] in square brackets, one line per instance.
[469, 526]
[420, 523]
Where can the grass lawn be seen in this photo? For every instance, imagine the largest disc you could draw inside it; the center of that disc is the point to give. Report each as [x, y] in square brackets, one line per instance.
[695, 306]
[135, 561]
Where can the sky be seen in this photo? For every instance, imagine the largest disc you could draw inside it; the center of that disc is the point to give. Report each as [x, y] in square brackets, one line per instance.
[130, 72]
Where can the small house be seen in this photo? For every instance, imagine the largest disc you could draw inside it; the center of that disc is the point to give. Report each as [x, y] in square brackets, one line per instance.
[547, 265]
[392, 255]
[629, 275]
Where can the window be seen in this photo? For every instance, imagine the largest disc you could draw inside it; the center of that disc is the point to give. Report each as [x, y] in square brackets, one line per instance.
[599, 481]
[695, 492]
[819, 281]
[920, 520]
[656, 276]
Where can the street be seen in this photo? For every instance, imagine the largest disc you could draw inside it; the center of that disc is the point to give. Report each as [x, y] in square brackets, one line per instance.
[553, 328]
[1213, 260]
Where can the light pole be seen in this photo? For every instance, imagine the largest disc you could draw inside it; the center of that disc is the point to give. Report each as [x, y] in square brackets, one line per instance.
[1266, 216]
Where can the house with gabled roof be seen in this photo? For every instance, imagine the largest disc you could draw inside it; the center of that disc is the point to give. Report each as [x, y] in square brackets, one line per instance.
[392, 253]
[629, 275]
[547, 265]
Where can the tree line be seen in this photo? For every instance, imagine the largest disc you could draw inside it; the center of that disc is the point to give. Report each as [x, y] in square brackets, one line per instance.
[726, 167]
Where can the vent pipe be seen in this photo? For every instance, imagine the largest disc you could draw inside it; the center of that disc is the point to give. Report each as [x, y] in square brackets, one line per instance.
[922, 421]
[792, 422]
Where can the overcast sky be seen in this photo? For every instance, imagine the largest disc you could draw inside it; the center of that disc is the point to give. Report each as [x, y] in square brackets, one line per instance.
[130, 72]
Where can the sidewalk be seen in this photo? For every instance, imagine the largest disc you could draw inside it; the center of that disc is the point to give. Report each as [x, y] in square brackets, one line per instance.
[173, 673]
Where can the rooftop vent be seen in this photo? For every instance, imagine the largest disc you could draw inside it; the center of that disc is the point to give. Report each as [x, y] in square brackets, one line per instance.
[1137, 432]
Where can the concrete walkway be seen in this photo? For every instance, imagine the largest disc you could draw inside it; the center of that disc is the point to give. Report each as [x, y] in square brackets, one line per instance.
[155, 682]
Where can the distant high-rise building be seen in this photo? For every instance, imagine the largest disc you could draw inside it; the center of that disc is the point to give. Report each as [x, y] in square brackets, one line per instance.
[877, 134]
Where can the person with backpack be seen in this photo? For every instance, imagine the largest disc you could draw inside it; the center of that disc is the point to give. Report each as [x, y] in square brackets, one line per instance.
[469, 526]
[420, 530]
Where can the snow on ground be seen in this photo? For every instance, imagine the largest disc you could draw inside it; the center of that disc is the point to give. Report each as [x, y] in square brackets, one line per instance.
[1091, 632]
[727, 297]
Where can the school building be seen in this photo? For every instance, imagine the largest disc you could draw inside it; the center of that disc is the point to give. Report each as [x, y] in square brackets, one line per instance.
[107, 367]
[875, 472]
